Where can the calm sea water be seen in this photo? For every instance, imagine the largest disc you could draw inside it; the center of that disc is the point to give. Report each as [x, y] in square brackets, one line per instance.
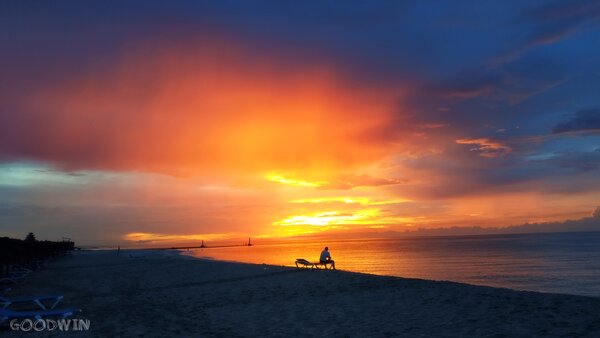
[559, 263]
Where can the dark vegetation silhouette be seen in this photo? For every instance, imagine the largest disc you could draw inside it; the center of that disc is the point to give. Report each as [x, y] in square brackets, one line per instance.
[29, 251]
[30, 238]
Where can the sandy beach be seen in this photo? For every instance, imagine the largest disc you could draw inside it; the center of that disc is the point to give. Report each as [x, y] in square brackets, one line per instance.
[163, 293]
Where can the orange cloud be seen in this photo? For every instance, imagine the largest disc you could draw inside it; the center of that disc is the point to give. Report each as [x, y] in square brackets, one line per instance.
[208, 110]
[277, 178]
[486, 147]
[350, 200]
[142, 237]
[352, 181]
[336, 182]
[333, 218]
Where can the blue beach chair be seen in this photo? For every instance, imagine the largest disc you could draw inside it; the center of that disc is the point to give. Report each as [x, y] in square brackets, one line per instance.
[39, 300]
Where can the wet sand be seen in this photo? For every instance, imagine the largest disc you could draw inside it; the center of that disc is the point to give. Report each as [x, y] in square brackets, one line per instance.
[162, 293]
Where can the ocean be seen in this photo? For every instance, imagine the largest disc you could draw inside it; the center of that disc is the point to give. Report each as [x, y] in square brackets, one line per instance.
[558, 263]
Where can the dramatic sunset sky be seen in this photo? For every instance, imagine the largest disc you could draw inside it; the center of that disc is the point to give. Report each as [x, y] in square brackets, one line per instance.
[125, 121]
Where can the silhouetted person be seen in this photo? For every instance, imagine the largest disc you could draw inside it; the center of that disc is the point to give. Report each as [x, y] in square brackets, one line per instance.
[326, 258]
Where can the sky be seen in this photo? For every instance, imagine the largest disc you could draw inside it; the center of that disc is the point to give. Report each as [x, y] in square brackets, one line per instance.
[159, 121]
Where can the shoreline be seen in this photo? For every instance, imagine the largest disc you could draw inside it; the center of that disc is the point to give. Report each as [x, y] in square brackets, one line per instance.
[169, 293]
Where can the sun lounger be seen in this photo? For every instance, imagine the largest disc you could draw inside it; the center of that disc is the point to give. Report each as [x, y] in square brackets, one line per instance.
[303, 263]
[21, 270]
[14, 277]
[18, 274]
[53, 300]
[8, 280]
[61, 313]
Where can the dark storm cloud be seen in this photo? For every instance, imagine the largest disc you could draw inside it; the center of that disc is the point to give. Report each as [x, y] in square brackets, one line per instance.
[552, 22]
[578, 161]
[583, 120]
[464, 173]
[562, 18]
[567, 10]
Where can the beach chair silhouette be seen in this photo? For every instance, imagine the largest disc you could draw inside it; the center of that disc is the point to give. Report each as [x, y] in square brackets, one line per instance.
[303, 263]
[14, 277]
[6, 314]
[53, 300]
[10, 280]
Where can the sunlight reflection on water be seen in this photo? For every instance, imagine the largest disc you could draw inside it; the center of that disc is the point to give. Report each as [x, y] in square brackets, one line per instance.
[561, 263]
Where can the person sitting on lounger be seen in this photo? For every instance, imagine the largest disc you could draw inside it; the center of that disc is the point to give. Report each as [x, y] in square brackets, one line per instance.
[326, 258]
